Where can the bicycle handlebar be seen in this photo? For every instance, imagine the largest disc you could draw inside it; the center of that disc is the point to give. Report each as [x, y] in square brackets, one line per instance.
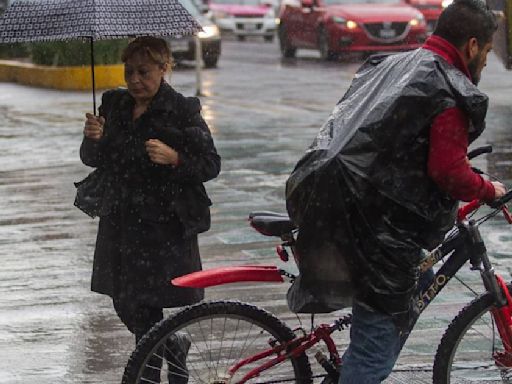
[475, 204]
[498, 203]
[478, 151]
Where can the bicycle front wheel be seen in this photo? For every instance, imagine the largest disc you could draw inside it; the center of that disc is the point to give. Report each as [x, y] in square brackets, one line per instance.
[215, 343]
[471, 350]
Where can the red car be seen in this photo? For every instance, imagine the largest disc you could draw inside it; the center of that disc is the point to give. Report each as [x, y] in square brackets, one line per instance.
[431, 10]
[335, 27]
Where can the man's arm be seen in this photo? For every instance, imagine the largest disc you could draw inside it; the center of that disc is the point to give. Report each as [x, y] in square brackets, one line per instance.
[448, 164]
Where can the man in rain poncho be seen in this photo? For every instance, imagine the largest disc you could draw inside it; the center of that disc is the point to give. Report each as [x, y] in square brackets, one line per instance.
[383, 177]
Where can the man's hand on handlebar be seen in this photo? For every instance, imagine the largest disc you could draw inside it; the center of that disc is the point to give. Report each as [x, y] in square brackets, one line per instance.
[499, 189]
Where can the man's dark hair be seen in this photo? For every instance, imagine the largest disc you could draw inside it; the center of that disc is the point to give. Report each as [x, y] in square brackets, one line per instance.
[464, 19]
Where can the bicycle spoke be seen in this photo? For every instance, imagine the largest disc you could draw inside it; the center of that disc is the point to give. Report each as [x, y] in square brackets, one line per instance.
[216, 343]
[221, 344]
[474, 360]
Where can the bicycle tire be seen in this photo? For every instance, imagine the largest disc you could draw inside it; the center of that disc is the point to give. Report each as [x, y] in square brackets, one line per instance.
[465, 353]
[207, 360]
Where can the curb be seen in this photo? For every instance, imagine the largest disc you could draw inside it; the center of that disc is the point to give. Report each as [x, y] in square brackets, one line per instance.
[65, 78]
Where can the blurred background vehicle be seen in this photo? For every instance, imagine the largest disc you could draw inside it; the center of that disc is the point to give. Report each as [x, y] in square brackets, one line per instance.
[502, 42]
[335, 27]
[3, 6]
[431, 9]
[185, 48]
[244, 18]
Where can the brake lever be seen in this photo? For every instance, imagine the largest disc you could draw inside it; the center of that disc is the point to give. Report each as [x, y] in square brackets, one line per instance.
[507, 214]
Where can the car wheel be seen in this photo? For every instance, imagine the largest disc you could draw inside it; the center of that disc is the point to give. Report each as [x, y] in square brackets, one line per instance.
[269, 38]
[287, 50]
[210, 61]
[323, 46]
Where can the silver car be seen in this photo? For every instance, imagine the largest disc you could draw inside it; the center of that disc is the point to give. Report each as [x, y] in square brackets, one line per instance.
[185, 48]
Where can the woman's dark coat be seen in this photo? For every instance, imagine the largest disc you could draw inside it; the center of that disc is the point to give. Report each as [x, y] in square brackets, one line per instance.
[151, 214]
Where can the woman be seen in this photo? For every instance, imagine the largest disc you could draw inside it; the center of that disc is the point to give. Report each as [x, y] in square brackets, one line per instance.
[157, 151]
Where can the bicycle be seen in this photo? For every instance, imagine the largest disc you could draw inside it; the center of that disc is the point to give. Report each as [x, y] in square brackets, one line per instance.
[236, 342]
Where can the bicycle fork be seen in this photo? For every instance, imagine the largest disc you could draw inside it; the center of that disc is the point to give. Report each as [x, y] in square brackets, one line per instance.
[496, 285]
[503, 317]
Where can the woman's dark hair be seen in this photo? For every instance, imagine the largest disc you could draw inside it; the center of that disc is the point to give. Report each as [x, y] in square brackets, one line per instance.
[464, 19]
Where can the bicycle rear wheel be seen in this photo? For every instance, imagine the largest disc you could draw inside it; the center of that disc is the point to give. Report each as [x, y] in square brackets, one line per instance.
[204, 344]
[467, 352]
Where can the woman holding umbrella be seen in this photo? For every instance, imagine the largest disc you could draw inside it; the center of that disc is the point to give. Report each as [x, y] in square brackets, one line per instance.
[155, 152]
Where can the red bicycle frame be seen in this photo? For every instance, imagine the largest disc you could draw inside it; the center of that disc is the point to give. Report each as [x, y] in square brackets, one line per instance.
[293, 348]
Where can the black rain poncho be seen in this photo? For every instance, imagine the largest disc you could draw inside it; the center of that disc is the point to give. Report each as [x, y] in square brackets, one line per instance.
[361, 196]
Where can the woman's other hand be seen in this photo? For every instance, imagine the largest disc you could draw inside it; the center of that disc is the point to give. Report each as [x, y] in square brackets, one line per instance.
[93, 126]
[161, 153]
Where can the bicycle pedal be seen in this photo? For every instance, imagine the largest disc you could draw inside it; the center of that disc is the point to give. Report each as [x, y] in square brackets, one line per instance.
[329, 380]
[283, 254]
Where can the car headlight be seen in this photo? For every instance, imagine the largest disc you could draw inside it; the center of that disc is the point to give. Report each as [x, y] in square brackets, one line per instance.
[339, 20]
[208, 32]
[446, 3]
[221, 15]
[270, 14]
[351, 24]
[418, 20]
[346, 23]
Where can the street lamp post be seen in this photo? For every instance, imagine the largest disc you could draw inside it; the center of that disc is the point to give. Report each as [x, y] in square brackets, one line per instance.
[199, 63]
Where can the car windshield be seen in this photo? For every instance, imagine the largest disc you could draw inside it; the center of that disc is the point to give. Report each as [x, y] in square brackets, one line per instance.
[191, 7]
[343, 2]
[238, 2]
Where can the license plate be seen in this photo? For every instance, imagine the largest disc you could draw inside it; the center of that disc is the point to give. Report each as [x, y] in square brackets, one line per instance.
[387, 33]
[179, 45]
[250, 27]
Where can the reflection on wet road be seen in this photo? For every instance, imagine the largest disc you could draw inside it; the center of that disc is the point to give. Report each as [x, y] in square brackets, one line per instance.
[263, 112]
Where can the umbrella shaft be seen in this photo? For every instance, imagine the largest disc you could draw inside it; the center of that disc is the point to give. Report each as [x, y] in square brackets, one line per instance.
[92, 75]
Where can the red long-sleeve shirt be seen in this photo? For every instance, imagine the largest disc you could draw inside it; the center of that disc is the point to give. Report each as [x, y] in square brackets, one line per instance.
[448, 165]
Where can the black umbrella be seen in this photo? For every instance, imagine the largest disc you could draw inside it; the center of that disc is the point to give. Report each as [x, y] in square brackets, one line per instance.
[52, 20]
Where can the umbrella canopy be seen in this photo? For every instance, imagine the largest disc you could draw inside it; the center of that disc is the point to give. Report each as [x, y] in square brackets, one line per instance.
[52, 20]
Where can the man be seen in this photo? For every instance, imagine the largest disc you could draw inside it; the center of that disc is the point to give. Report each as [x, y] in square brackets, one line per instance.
[383, 178]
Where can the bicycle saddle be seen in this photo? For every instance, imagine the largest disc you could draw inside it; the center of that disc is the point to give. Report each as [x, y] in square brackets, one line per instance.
[271, 223]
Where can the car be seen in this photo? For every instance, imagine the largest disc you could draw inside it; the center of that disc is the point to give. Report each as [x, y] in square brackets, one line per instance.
[431, 9]
[3, 6]
[244, 18]
[502, 40]
[337, 27]
[184, 48]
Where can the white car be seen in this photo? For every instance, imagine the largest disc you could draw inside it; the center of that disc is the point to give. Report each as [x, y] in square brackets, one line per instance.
[185, 48]
[245, 17]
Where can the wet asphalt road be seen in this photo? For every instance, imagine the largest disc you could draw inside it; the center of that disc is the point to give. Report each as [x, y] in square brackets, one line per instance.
[263, 113]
